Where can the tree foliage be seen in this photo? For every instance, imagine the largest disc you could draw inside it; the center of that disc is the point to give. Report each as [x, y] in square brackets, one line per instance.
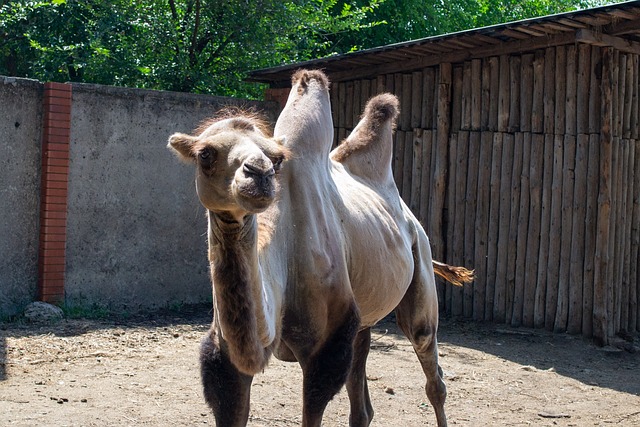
[207, 46]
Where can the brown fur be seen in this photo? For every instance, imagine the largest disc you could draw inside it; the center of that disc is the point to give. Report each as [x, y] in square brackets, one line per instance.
[379, 110]
[244, 119]
[304, 77]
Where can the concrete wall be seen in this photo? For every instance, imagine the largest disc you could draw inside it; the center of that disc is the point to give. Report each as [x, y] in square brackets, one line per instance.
[136, 232]
[20, 135]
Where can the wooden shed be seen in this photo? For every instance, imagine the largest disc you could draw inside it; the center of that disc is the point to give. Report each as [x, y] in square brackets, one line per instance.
[518, 149]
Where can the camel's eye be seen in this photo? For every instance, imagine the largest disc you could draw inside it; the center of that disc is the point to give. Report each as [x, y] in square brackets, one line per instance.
[277, 163]
[207, 157]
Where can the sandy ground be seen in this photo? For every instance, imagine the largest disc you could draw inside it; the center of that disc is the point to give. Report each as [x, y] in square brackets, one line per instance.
[143, 371]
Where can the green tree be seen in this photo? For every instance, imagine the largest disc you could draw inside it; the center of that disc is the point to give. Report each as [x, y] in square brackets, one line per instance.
[406, 20]
[202, 46]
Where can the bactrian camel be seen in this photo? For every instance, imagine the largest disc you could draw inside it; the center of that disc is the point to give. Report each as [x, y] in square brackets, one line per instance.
[308, 250]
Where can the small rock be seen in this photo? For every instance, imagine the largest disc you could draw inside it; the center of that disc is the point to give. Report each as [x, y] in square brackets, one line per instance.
[389, 390]
[42, 312]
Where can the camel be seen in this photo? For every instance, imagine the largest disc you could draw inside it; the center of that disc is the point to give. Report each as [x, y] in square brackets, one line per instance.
[308, 250]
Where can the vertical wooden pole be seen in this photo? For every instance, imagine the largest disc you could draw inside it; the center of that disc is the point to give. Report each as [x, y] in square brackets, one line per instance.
[440, 156]
[515, 67]
[549, 89]
[494, 223]
[600, 321]
[590, 222]
[555, 228]
[518, 150]
[526, 92]
[545, 232]
[582, 102]
[561, 90]
[533, 234]
[576, 268]
[470, 223]
[458, 208]
[523, 222]
[416, 99]
[568, 180]
[428, 104]
[416, 173]
[571, 94]
[476, 94]
[503, 95]
[537, 113]
[499, 304]
[482, 225]
[494, 96]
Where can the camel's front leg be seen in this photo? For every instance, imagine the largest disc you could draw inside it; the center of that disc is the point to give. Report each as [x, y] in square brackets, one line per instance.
[361, 409]
[325, 371]
[226, 390]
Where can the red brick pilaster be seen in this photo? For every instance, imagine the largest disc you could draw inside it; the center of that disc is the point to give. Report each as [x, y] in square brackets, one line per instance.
[53, 200]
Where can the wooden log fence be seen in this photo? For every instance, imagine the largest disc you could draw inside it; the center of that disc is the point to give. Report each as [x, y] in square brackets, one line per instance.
[525, 167]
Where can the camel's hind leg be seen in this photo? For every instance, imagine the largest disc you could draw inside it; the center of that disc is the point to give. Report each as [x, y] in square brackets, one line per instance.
[226, 390]
[417, 316]
[361, 409]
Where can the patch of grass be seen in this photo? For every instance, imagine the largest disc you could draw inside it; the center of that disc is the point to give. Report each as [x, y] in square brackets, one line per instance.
[93, 311]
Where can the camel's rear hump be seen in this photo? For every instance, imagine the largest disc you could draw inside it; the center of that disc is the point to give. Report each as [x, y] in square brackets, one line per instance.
[368, 151]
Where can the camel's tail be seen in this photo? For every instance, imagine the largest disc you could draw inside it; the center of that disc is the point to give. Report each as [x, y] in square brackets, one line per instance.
[457, 276]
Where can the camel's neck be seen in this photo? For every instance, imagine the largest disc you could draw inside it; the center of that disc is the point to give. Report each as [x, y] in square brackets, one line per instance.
[241, 303]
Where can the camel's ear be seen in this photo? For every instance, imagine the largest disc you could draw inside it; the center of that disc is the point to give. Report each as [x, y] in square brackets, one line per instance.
[182, 145]
[280, 140]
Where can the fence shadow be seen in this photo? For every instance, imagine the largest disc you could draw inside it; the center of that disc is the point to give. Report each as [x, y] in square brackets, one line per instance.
[569, 355]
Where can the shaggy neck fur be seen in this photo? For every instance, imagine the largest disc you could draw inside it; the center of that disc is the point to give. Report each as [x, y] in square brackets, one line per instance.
[240, 304]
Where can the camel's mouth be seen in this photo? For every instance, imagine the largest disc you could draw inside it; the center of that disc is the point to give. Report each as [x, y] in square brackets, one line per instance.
[255, 192]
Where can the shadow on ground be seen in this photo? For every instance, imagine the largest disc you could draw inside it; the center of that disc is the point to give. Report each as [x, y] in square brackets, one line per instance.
[569, 355]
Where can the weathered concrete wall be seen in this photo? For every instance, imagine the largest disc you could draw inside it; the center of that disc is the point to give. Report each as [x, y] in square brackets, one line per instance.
[136, 233]
[20, 135]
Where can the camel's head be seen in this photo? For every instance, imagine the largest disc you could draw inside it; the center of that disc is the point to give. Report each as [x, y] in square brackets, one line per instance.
[236, 165]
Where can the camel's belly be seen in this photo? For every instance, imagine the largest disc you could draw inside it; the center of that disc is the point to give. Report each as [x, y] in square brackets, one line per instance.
[380, 282]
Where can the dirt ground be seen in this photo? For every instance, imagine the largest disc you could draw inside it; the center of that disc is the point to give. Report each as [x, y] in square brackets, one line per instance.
[143, 371]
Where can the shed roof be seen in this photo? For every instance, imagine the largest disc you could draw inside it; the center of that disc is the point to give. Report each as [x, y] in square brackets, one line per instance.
[616, 25]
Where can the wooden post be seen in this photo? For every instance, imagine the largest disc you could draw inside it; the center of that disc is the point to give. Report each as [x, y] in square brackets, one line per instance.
[571, 94]
[518, 149]
[561, 89]
[425, 179]
[591, 217]
[465, 118]
[482, 226]
[555, 228]
[428, 104]
[549, 89]
[514, 92]
[576, 268]
[450, 220]
[600, 322]
[456, 100]
[499, 303]
[356, 108]
[545, 232]
[494, 223]
[407, 168]
[348, 106]
[503, 95]
[416, 99]
[523, 222]
[404, 121]
[568, 179]
[457, 207]
[635, 243]
[476, 94]
[526, 92]
[537, 113]
[485, 101]
[533, 234]
[440, 156]
[595, 109]
[470, 215]
[398, 160]
[494, 85]
[582, 103]
[416, 173]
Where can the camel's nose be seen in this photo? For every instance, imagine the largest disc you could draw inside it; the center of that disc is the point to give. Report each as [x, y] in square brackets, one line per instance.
[259, 166]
